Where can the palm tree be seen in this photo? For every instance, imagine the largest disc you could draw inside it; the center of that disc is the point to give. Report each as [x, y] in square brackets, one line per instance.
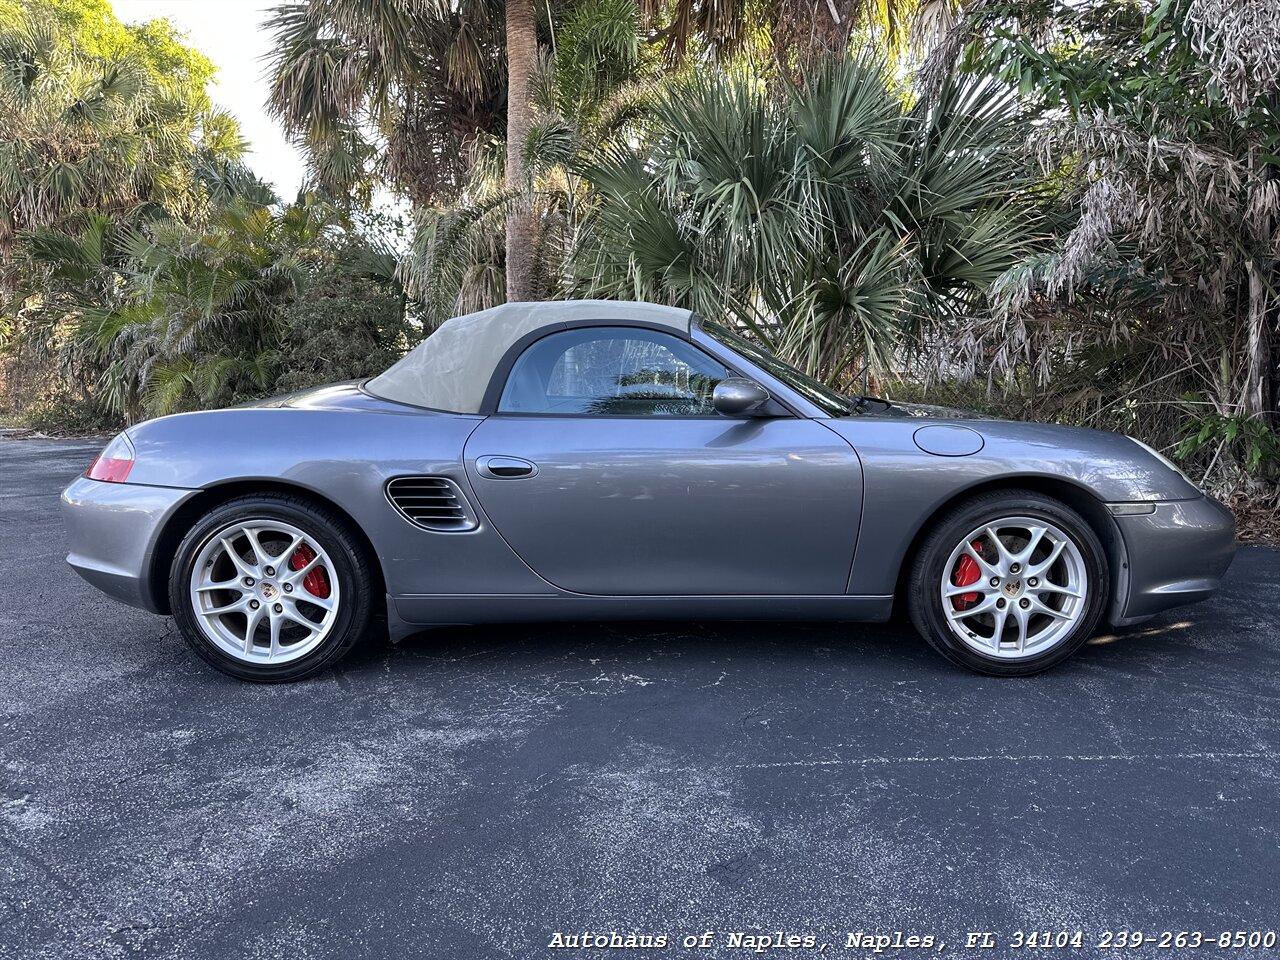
[106, 126]
[391, 90]
[827, 217]
[592, 92]
[421, 84]
[522, 52]
[796, 32]
[89, 132]
[166, 315]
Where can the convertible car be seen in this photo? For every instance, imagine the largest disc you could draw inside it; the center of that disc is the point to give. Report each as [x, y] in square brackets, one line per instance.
[596, 460]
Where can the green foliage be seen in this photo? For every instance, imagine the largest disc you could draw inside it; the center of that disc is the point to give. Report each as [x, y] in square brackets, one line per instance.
[100, 117]
[593, 93]
[789, 32]
[168, 316]
[64, 414]
[1157, 128]
[825, 216]
[1248, 441]
[387, 92]
[343, 327]
[597, 51]
[145, 268]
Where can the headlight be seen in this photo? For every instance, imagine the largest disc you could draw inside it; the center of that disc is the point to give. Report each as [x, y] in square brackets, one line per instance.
[1165, 460]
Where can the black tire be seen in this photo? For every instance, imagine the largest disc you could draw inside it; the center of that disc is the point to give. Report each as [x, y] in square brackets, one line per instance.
[925, 602]
[350, 565]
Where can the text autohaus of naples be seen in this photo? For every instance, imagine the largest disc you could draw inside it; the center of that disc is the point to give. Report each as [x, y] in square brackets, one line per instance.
[756, 942]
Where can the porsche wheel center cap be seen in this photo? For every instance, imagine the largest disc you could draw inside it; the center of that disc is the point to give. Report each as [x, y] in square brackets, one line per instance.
[269, 592]
[1013, 587]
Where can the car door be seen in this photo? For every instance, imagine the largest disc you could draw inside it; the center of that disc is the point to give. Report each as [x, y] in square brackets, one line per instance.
[607, 469]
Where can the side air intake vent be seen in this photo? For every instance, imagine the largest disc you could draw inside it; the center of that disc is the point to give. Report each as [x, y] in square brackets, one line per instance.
[434, 503]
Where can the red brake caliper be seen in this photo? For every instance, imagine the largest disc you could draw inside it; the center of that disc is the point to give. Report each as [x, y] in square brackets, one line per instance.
[967, 571]
[317, 581]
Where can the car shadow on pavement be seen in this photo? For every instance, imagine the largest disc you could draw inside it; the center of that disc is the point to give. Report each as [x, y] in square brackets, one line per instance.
[889, 647]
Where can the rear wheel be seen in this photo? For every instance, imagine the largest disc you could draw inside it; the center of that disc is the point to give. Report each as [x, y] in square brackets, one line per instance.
[270, 588]
[1009, 583]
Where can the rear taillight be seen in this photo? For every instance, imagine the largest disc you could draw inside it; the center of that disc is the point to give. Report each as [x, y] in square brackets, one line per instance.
[114, 462]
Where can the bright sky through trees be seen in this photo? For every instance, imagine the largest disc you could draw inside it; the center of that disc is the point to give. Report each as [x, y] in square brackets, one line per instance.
[229, 32]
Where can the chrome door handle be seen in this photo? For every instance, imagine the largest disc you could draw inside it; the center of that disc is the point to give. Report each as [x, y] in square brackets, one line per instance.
[505, 468]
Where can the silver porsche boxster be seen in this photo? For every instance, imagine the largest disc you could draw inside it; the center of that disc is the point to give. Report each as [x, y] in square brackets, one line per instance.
[595, 460]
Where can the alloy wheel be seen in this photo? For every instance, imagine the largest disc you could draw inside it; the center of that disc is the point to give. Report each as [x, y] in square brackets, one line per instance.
[264, 591]
[1014, 588]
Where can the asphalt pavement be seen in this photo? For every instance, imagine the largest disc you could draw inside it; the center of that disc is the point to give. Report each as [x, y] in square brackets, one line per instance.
[472, 792]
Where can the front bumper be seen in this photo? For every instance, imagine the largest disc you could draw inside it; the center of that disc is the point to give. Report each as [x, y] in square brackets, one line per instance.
[113, 530]
[1176, 555]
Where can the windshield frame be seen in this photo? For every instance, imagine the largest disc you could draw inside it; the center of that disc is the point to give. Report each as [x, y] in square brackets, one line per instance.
[829, 401]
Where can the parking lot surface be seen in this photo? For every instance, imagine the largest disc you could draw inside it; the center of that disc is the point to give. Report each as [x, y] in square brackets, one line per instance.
[469, 792]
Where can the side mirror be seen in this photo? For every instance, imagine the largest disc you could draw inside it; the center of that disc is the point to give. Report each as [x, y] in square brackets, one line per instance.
[737, 396]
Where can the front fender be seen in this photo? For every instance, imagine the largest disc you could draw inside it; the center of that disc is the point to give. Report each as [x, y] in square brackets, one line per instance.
[905, 486]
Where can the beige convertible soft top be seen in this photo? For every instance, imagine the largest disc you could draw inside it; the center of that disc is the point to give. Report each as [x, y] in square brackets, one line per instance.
[451, 369]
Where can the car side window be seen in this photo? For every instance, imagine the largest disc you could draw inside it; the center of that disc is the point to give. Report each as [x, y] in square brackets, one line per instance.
[612, 371]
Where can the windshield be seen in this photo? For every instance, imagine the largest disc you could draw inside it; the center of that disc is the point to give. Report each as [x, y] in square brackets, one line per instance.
[832, 403]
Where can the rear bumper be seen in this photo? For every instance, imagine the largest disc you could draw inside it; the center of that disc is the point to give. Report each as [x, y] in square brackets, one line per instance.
[113, 530]
[1177, 555]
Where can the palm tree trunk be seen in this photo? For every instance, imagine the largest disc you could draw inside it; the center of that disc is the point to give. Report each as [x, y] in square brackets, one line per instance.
[522, 48]
[1254, 402]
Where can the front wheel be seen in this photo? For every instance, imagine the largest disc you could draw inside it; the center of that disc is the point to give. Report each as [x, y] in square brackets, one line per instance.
[270, 588]
[1009, 583]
